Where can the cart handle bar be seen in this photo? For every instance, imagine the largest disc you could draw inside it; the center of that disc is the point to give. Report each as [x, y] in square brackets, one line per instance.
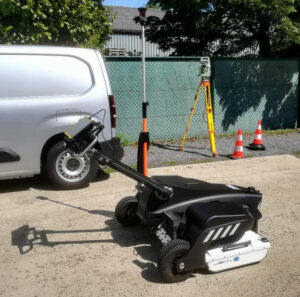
[137, 176]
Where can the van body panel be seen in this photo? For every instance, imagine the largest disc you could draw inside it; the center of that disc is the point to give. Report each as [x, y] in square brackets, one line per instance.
[106, 80]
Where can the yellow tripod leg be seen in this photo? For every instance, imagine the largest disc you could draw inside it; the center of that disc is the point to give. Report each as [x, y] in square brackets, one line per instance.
[209, 116]
[191, 116]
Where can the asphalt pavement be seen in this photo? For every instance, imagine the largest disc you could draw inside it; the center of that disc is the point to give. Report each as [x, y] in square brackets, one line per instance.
[68, 243]
[197, 151]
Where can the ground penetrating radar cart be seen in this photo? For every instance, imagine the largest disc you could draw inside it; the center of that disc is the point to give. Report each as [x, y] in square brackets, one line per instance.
[201, 225]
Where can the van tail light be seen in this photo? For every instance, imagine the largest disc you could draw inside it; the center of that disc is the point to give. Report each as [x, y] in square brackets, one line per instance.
[113, 110]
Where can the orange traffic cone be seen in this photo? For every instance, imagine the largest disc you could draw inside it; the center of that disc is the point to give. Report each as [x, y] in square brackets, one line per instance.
[257, 143]
[238, 152]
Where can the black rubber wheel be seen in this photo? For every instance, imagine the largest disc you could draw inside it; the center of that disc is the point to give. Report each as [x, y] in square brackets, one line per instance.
[125, 211]
[67, 172]
[168, 255]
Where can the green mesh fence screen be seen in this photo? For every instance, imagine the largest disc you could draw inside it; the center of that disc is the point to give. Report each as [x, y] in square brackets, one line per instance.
[244, 91]
[249, 90]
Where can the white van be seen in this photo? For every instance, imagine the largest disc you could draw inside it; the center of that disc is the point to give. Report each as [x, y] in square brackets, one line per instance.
[43, 90]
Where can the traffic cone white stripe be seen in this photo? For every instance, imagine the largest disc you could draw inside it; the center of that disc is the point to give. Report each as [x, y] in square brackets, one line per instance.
[238, 152]
[257, 143]
[238, 148]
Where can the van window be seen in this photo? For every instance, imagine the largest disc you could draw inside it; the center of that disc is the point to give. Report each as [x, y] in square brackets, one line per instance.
[42, 75]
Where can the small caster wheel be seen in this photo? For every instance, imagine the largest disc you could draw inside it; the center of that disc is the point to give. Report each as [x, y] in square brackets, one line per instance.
[125, 211]
[168, 255]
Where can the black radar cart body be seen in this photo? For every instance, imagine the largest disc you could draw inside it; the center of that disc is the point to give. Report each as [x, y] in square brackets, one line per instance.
[201, 225]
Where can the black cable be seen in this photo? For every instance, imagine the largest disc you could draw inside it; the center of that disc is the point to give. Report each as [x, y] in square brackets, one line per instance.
[90, 117]
[102, 132]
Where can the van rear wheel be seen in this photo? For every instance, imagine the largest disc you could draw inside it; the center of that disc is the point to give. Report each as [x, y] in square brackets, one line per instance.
[68, 172]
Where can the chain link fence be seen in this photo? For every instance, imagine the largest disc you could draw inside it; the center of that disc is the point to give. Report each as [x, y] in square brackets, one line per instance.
[243, 91]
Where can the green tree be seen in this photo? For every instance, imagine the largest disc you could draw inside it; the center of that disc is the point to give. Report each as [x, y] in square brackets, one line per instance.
[268, 23]
[63, 22]
[225, 27]
[293, 50]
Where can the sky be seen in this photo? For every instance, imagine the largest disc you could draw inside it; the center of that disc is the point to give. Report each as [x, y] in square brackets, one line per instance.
[128, 3]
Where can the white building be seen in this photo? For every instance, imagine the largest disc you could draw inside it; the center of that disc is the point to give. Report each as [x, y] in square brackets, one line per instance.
[126, 37]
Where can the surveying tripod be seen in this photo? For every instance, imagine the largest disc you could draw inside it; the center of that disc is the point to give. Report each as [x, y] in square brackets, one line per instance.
[205, 72]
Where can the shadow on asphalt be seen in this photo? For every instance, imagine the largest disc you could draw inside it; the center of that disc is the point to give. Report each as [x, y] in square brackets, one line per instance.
[105, 213]
[189, 149]
[27, 238]
[39, 182]
[175, 148]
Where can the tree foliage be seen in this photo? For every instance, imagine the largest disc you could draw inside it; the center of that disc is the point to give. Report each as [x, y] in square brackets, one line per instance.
[63, 22]
[225, 27]
[293, 50]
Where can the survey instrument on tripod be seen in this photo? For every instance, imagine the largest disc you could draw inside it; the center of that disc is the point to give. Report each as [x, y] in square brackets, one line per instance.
[205, 73]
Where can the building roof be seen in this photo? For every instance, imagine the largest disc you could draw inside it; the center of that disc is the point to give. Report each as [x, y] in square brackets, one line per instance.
[124, 18]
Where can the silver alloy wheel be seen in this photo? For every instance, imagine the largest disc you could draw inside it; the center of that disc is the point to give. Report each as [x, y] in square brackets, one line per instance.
[72, 169]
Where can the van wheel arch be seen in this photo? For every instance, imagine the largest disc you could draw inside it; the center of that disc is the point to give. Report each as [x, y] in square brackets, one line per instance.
[47, 146]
